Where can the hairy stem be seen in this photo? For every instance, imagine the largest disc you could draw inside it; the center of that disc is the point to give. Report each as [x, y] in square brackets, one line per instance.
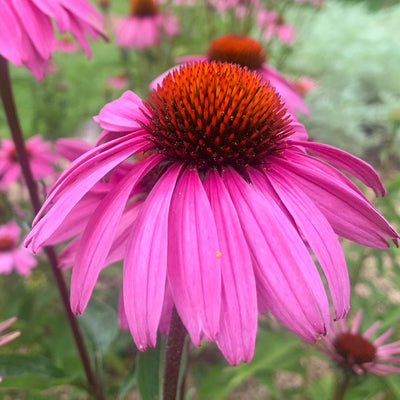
[10, 111]
[173, 356]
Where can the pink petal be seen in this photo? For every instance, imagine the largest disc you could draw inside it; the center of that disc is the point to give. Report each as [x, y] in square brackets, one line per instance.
[122, 114]
[238, 325]
[80, 181]
[194, 265]
[10, 35]
[319, 235]
[98, 236]
[349, 163]
[357, 220]
[145, 265]
[288, 282]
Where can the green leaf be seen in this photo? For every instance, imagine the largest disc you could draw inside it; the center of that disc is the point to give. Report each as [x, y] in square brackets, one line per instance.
[27, 371]
[129, 383]
[100, 323]
[148, 373]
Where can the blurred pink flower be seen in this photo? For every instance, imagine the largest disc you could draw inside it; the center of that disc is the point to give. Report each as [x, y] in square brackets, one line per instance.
[11, 254]
[144, 26]
[231, 204]
[358, 352]
[304, 84]
[120, 81]
[66, 45]
[272, 24]
[40, 155]
[247, 52]
[27, 32]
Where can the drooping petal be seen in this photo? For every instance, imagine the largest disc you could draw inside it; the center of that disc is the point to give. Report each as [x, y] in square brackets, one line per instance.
[238, 325]
[98, 235]
[350, 214]
[81, 181]
[317, 232]
[349, 163]
[194, 265]
[145, 265]
[288, 281]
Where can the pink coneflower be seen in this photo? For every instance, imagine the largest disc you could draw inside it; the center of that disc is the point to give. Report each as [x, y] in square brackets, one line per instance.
[358, 352]
[11, 254]
[8, 337]
[233, 204]
[247, 52]
[27, 33]
[120, 81]
[40, 156]
[273, 25]
[65, 44]
[304, 84]
[144, 26]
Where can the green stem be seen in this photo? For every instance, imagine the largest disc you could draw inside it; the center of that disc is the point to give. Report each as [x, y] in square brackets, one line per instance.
[173, 356]
[342, 384]
[7, 98]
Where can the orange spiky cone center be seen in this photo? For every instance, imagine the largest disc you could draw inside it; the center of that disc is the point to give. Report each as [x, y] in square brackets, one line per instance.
[216, 114]
[237, 49]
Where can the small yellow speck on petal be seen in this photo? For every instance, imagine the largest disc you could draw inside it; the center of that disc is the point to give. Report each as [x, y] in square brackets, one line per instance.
[218, 253]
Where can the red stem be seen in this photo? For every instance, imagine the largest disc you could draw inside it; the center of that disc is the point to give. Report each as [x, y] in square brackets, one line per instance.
[173, 356]
[7, 98]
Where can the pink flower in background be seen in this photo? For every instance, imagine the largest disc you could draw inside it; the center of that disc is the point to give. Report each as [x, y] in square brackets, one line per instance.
[304, 84]
[231, 206]
[13, 256]
[144, 26]
[358, 352]
[27, 32]
[66, 45]
[120, 81]
[247, 52]
[8, 337]
[40, 155]
[272, 24]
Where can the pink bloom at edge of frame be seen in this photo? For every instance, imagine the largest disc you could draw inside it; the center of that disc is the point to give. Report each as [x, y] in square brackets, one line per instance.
[357, 351]
[27, 34]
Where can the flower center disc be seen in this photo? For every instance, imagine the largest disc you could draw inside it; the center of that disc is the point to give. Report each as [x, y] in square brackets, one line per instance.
[214, 114]
[237, 49]
[354, 347]
[143, 8]
[6, 244]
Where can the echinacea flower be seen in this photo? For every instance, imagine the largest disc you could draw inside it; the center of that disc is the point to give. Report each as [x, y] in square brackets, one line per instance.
[248, 52]
[357, 351]
[13, 255]
[8, 337]
[273, 25]
[27, 33]
[144, 26]
[232, 205]
[41, 159]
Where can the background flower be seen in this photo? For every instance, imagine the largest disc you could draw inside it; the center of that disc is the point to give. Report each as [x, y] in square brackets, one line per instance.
[41, 159]
[358, 351]
[11, 254]
[27, 34]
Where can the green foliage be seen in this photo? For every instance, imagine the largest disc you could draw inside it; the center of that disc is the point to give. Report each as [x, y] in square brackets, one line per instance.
[353, 55]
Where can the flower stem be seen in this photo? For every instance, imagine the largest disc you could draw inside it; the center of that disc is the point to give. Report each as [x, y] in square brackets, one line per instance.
[7, 98]
[173, 356]
[342, 384]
